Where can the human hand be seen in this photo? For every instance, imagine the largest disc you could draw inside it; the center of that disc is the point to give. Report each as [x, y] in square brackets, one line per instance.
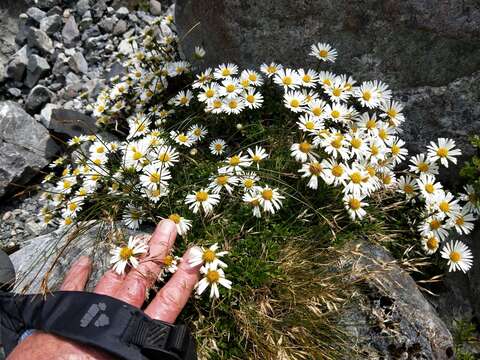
[130, 288]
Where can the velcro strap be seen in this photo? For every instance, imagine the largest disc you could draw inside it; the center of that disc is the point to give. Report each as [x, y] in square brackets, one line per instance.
[96, 320]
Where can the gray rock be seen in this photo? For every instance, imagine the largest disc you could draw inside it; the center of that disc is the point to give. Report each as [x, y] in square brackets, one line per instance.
[46, 114]
[116, 69]
[71, 122]
[155, 8]
[37, 68]
[82, 7]
[120, 27]
[70, 33]
[91, 32]
[40, 40]
[25, 147]
[37, 258]
[78, 63]
[7, 271]
[36, 14]
[122, 13]
[39, 96]
[51, 24]
[46, 4]
[99, 9]
[2, 72]
[106, 25]
[393, 320]
[450, 111]
[84, 25]
[9, 27]
[18, 64]
[71, 78]
[405, 43]
[15, 92]
[33, 227]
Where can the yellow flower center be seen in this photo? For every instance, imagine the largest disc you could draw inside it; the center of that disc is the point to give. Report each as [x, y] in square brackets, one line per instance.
[444, 206]
[226, 72]
[408, 189]
[251, 98]
[306, 78]
[217, 104]
[137, 155]
[271, 69]
[337, 143]
[395, 149]
[201, 196]
[294, 103]
[233, 104]
[429, 188]
[267, 194]
[175, 218]
[155, 177]
[356, 143]
[315, 168]
[317, 111]
[182, 138]
[72, 206]
[335, 114]
[432, 243]
[252, 77]
[337, 92]
[213, 276]
[208, 255]
[68, 220]
[374, 150]
[183, 100]
[67, 184]
[209, 93]
[354, 204]
[337, 170]
[442, 152]
[222, 180]
[460, 220]
[245, 82]
[356, 177]
[230, 88]
[164, 157]
[455, 256]
[197, 132]
[371, 124]
[435, 224]
[125, 253]
[168, 260]
[392, 112]
[323, 53]
[248, 183]
[234, 160]
[366, 95]
[423, 167]
[305, 147]
[310, 125]
[287, 80]
[218, 147]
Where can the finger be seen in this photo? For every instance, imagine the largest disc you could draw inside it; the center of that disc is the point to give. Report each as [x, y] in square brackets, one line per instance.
[140, 279]
[171, 299]
[78, 275]
[109, 283]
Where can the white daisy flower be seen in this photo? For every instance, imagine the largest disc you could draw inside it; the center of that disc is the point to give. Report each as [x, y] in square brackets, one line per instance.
[127, 255]
[182, 224]
[420, 164]
[313, 170]
[287, 78]
[317, 109]
[208, 257]
[155, 176]
[270, 199]
[233, 105]
[471, 198]
[132, 217]
[223, 180]
[309, 123]
[366, 94]
[458, 255]
[252, 99]
[335, 172]
[434, 225]
[209, 91]
[199, 52]
[463, 221]
[212, 277]
[444, 151]
[445, 203]
[257, 155]
[167, 155]
[225, 71]
[202, 200]
[430, 244]
[236, 163]
[230, 88]
[393, 112]
[308, 78]
[294, 100]
[355, 206]
[324, 52]
[397, 150]
[253, 200]
[217, 147]
[428, 185]
[182, 98]
[253, 77]
[407, 186]
[302, 151]
[182, 138]
[197, 132]
[249, 180]
[271, 69]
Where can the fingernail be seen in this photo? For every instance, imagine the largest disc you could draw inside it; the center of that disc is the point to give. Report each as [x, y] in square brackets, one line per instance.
[191, 252]
[168, 225]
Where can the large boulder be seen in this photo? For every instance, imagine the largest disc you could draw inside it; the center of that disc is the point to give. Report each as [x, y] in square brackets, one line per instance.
[25, 147]
[423, 48]
[392, 319]
[55, 252]
[9, 12]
